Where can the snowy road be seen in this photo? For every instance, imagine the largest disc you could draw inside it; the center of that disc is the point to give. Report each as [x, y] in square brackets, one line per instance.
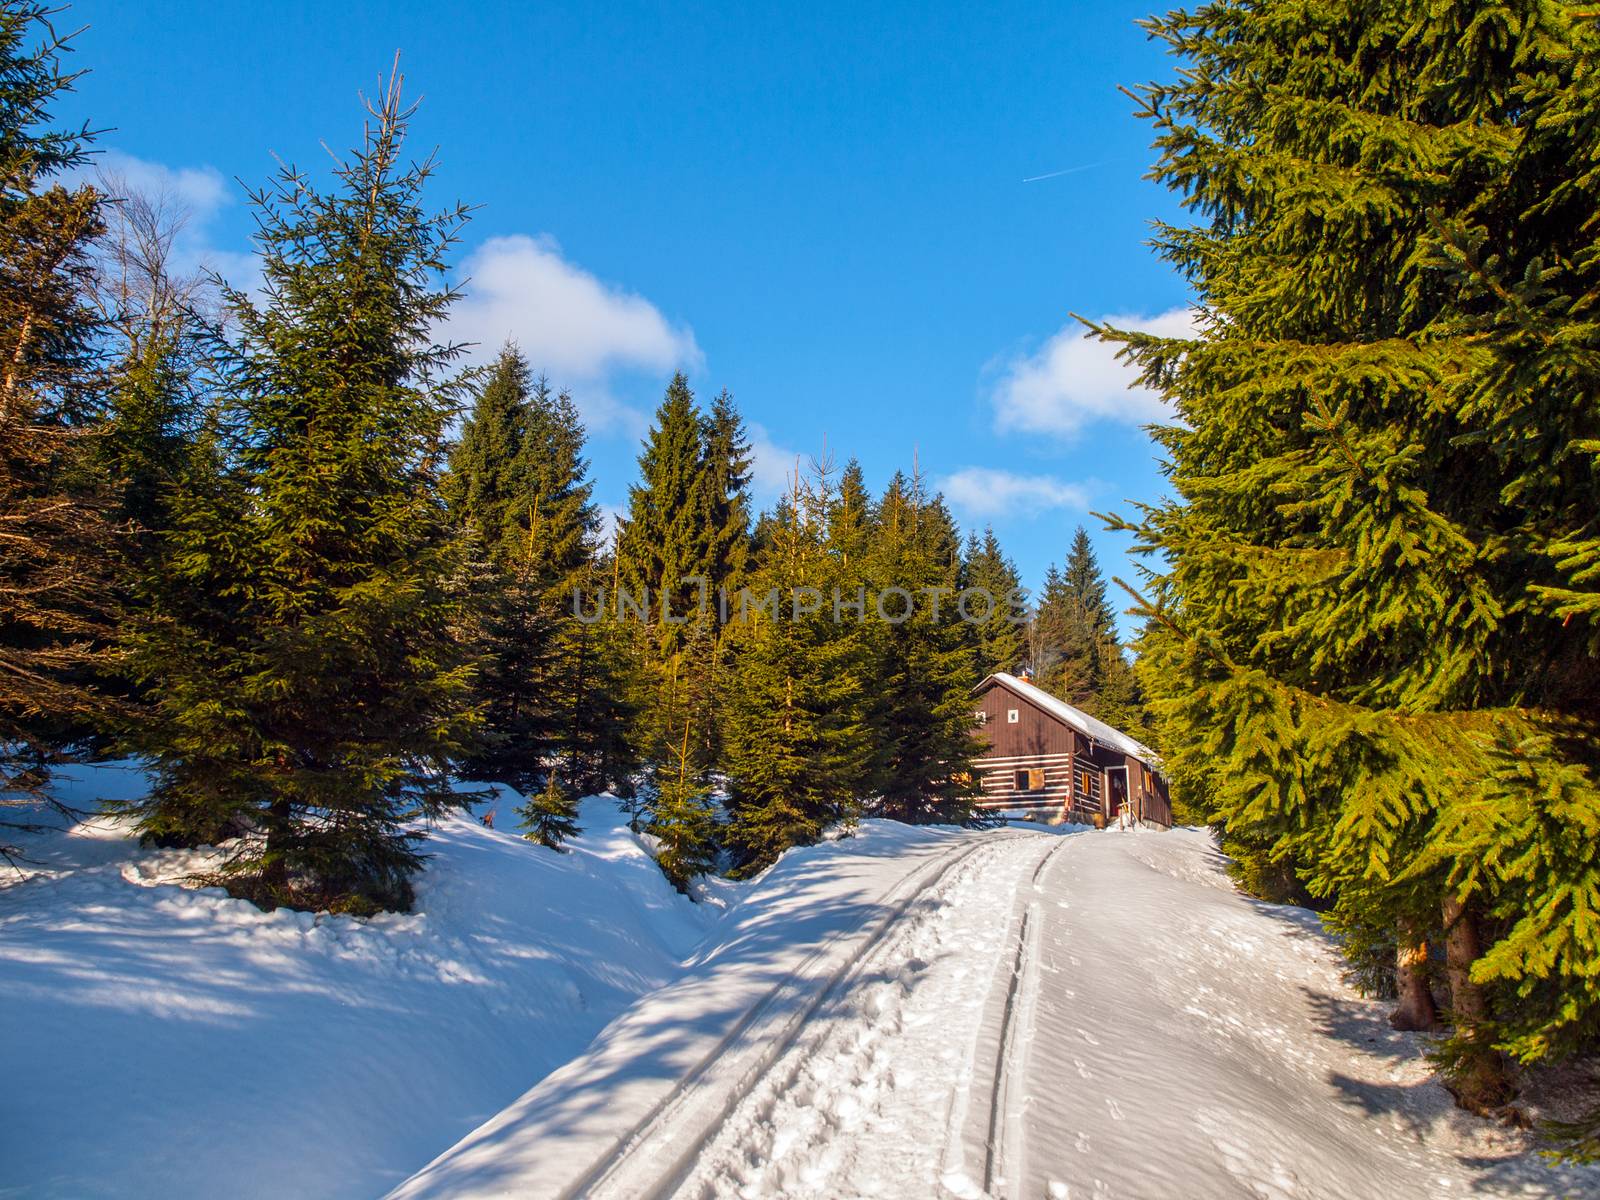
[1065, 1015]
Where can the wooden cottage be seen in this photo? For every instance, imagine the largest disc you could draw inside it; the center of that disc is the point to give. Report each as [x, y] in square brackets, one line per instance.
[1055, 762]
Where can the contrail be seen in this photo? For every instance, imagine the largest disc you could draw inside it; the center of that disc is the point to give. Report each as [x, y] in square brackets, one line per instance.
[1057, 174]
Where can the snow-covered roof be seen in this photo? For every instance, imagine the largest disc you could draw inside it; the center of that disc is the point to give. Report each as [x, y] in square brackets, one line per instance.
[1089, 726]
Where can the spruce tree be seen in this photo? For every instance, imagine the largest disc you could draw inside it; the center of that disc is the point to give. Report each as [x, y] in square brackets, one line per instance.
[1063, 650]
[850, 521]
[600, 750]
[725, 491]
[585, 686]
[997, 633]
[483, 486]
[306, 679]
[514, 640]
[796, 741]
[1076, 652]
[550, 818]
[559, 517]
[665, 539]
[1371, 653]
[921, 723]
[56, 552]
[681, 818]
[516, 634]
[1082, 581]
[665, 567]
[158, 342]
[519, 473]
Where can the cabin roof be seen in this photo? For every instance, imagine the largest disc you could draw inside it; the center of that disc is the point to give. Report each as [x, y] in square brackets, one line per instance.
[1075, 717]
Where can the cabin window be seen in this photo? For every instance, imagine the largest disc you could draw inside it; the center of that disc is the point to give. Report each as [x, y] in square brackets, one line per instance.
[980, 717]
[1030, 780]
[1022, 781]
[1011, 716]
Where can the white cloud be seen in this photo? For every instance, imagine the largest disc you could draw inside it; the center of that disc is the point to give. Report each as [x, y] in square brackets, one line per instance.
[202, 190]
[194, 196]
[563, 317]
[772, 466]
[575, 327]
[567, 322]
[611, 518]
[1075, 380]
[986, 492]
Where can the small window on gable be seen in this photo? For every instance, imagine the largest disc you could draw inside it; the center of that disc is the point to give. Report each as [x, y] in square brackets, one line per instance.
[980, 717]
[1011, 716]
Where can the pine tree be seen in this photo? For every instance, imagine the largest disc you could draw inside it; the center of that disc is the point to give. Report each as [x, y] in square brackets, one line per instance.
[998, 637]
[1084, 583]
[921, 721]
[484, 484]
[551, 817]
[665, 542]
[796, 740]
[681, 818]
[1372, 656]
[726, 487]
[56, 549]
[306, 679]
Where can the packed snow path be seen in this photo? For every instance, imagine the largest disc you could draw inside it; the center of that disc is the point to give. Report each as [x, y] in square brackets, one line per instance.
[1021, 1015]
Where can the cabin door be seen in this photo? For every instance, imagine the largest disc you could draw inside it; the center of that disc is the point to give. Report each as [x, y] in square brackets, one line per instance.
[1116, 791]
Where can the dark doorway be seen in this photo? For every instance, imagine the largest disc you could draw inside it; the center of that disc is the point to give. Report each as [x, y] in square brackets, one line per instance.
[1116, 790]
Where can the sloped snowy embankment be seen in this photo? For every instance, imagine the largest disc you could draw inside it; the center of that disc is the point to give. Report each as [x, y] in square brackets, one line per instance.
[162, 1041]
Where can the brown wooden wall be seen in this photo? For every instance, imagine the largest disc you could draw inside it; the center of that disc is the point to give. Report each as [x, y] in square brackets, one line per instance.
[1041, 742]
[1036, 731]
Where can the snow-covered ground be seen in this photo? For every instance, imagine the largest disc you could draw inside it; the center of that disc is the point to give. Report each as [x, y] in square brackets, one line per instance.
[1057, 1014]
[169, 1042]
[906, 1012]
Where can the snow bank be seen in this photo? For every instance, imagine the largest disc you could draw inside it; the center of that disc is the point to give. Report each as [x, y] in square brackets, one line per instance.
[171, 1042]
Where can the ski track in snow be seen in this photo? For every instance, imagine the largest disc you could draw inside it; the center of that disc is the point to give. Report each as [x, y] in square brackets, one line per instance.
[1081, 1015]
[1091, 1015]
[849, 1109]
[909, 1012]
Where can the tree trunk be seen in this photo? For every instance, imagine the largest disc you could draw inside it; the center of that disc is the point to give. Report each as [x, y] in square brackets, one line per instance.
[1416, 1009]
[1478, 1076]
[275, 876]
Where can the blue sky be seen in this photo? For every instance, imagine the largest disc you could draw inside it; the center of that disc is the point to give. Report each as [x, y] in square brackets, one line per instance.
[821, 207]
